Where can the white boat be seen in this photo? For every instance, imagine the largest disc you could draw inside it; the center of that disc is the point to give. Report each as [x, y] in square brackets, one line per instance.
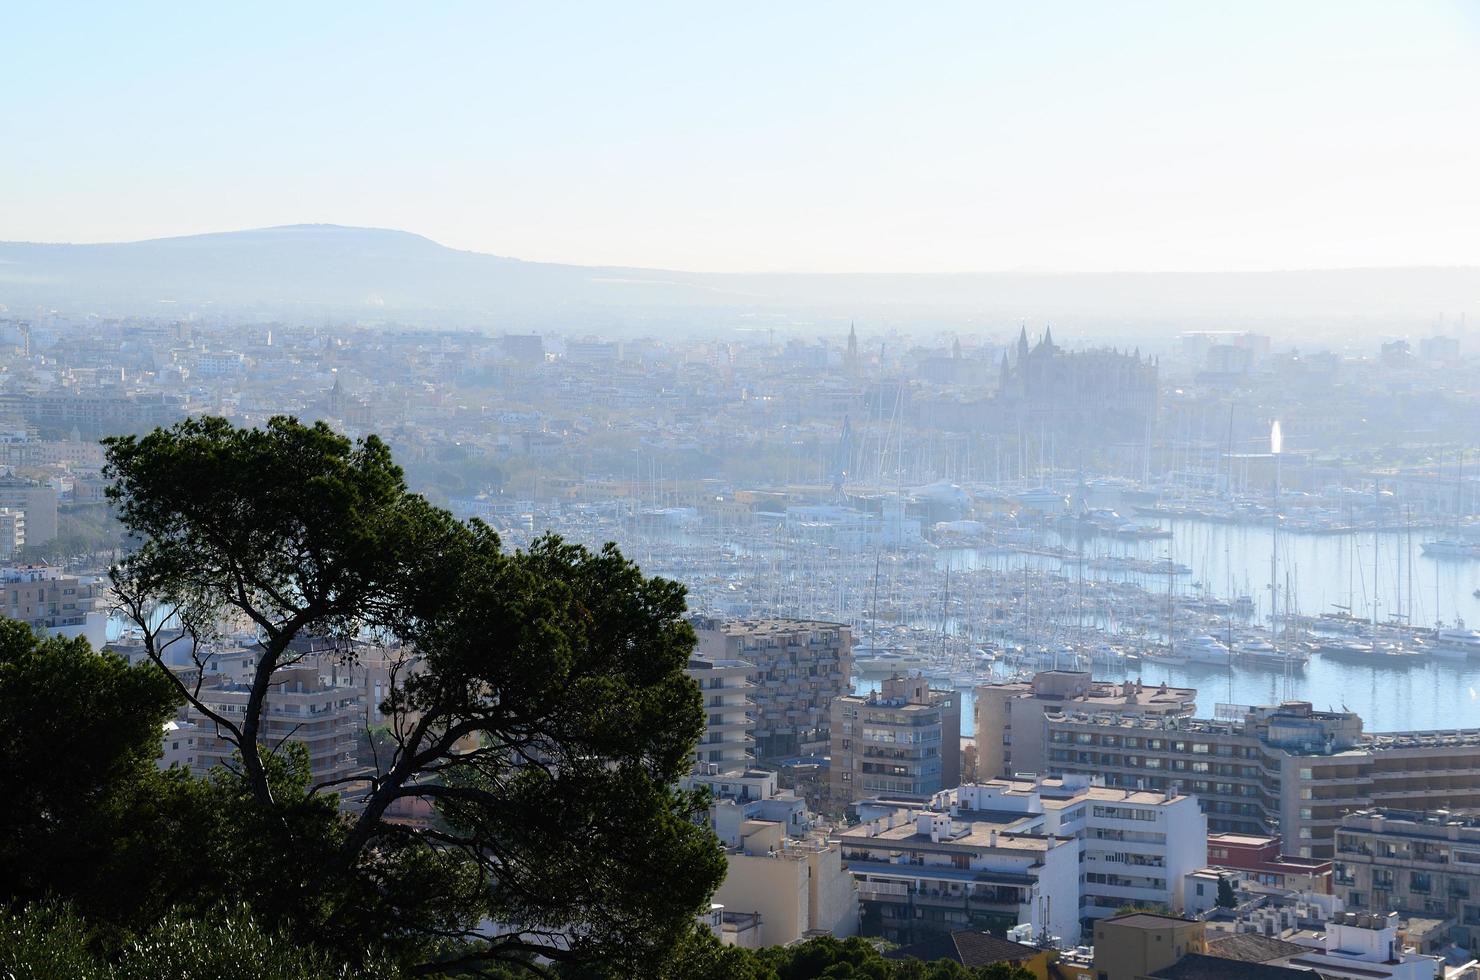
[1455, 642]
[887, 660]
[1206, 649]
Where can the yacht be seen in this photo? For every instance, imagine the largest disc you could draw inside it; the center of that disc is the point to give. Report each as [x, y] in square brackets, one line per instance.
[1455, 642]
[1353, 650]
[887, 660]
[1262, 653]
[1206, 649]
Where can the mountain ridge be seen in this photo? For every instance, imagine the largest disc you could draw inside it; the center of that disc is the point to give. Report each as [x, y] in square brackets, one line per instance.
[307, 269]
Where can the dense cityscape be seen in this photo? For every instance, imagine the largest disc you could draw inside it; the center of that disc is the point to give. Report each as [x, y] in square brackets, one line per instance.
[827, 491]
[953, 599]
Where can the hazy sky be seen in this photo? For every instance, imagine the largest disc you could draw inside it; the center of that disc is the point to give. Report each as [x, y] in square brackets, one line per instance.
[763, 136]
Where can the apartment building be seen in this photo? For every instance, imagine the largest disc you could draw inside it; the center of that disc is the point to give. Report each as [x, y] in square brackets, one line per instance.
[727, 742]
[39, 504]
[1365, 946]
[1261, 858]
[1009, 717]
[781, 867]
[12, 533]
[800, 667]
[903, 739]
[1285, 769]
[1417, 863]
[927, 872]
[54, 603]
[798, 886]
[1135, 847]
[303, 707]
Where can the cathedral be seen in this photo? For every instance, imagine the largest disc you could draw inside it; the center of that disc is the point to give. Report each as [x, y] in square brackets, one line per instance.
[1100, 394]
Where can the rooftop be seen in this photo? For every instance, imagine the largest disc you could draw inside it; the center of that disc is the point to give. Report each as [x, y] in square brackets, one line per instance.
[1148, 920]
[1251, 947]
[758, 626]
[1196, 966]
[968, 833]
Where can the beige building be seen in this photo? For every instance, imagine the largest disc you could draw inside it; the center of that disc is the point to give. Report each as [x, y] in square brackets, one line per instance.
[797, 887]
[302, 707]
[1129, 947]
[904, 739]
[800, 666]
[1419, 864]
[38, 502]
[54, 603]
[1009, 717]
[727, 742]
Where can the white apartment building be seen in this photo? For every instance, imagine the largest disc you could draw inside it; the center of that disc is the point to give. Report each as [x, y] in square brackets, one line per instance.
[728, 740]
[1136, 847]
[1364, 946]
[12, 533]
[1128, 847]
[929, 872]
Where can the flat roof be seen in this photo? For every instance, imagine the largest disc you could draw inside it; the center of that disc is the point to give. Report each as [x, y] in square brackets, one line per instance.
[1249, 840]
[1148, 920]
[978, 834]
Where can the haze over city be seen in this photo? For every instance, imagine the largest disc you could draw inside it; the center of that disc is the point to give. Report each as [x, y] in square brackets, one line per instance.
[768, 492]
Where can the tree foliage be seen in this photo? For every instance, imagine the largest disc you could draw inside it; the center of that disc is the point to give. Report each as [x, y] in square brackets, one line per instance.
[50, 941]
[701, 957]
[539, 703]
[81, 732]
[1227, 899]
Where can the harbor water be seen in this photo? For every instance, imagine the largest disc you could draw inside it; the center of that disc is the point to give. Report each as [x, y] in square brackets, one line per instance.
[1317, 573]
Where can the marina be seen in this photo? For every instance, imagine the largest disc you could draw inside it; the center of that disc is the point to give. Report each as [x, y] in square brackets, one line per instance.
[1359, 625]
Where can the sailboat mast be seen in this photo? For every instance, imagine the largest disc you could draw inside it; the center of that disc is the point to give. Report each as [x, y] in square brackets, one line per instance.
[1376, 539]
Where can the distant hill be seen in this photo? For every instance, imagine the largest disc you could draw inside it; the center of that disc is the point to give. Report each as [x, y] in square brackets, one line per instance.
[366, 273]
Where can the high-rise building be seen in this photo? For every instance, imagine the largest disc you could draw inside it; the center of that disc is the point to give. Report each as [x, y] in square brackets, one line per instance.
[12, 533]
[903, 739]
[728, 742]
[301, 707]
[1417, 863]
[1009, 716]
[1285, 769]
[800, 666]
[38, 502]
